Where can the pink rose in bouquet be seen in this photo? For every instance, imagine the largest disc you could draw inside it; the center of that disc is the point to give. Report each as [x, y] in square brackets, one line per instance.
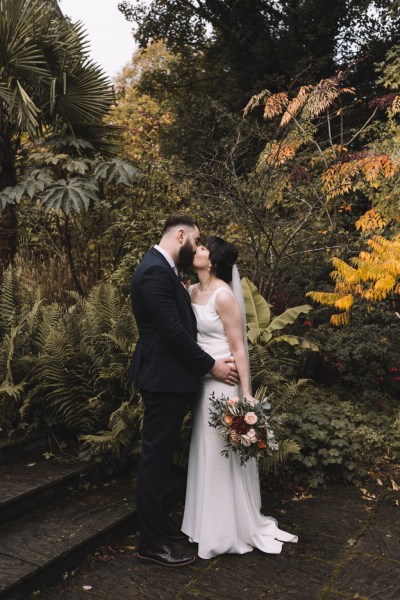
[251, 418]
[233, 401]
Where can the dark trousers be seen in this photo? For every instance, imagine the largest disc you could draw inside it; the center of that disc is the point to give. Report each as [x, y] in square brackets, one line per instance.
[163, 416]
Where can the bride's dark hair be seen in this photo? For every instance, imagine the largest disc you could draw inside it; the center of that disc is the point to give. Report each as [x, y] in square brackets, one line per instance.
[223, 256]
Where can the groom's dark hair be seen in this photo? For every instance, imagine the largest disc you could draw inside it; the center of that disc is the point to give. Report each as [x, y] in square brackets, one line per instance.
[179, 219]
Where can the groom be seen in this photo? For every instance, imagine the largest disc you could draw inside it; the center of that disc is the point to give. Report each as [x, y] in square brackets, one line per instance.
[167, 367]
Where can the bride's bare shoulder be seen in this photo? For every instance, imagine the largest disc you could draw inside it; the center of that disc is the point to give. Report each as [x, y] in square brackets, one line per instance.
[223, 299]
[220, 284]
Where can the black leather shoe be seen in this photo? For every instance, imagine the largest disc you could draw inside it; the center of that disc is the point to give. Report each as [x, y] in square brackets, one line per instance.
[165, 556]
[172, 531]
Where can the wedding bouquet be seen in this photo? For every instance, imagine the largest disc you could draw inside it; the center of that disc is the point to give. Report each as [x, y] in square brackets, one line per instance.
[243, 425]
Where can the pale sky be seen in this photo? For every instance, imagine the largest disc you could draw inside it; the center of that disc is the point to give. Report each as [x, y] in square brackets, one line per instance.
[110, 35]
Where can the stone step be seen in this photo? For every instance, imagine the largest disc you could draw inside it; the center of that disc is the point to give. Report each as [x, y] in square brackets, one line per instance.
[22, 446]
[42, 545]
[30, 482]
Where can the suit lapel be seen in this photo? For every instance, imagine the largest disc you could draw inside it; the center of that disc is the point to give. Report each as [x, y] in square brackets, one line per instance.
[186, 294]
[157, 256]
[162, 258]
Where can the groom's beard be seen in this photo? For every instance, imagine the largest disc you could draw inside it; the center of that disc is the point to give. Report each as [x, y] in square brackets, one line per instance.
[185, 256]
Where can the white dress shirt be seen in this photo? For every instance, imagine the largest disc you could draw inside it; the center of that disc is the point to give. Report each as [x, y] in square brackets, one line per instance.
[168, 258]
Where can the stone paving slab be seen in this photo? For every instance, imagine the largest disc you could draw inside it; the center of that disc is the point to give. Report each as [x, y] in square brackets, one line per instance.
[322, 547]
[283, 577]
[57, 536]
[370, 578]
[324, 512]
[11, 569]
[382, 540]
[343, 553]
[389, 507]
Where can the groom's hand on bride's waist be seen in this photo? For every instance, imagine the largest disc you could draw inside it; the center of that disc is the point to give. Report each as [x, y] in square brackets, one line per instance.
[225, 370]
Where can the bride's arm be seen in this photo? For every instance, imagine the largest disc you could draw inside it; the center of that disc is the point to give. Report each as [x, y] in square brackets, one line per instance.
[231, 317]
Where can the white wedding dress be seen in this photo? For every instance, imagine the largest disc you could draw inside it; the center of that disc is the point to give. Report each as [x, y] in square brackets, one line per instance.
[222, 508]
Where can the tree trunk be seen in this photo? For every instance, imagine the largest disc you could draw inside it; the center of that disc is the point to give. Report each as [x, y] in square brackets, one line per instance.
[8, 236]
[8, 216]
[65, 233]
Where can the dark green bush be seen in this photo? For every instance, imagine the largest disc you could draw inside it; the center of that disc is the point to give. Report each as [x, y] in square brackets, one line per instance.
[364, 356]
[339, 437]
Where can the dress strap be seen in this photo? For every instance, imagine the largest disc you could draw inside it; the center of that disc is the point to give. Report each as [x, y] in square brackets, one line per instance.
[216, 292]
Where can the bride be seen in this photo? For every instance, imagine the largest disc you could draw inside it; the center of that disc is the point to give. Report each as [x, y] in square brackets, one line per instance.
[222, 509]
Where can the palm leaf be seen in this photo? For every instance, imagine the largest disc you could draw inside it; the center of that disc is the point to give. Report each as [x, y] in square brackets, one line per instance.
[47, 81]
[24, 69]
[288, 317]
[84, 95]
[20, 22]
[258, 312]
[295, 340]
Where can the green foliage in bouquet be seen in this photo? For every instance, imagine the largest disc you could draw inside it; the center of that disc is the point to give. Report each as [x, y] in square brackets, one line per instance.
[246, 428]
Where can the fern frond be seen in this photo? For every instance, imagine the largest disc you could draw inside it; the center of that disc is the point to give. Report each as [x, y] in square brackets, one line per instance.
[323, 96]
[12, 390]
[121, 343]
[99, 443]
[10, 300]
[61, 386]
[123, 436]
[296, 104]
[272, 461]
[372, 220]
[325, 298]
[344, 272]
[340, 319]
[345, 303]
[255, 101]
[275, 105]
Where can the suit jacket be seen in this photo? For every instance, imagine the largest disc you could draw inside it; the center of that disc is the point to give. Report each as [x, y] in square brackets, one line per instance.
[167, 358]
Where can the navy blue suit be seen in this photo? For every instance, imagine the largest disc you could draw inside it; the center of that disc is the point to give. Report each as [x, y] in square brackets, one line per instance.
[167, 367]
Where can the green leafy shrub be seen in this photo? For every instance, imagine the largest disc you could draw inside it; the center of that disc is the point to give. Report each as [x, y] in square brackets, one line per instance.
[20, 318]
[65, 367]
[339, 438]
[121, 441]
[78, 379]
